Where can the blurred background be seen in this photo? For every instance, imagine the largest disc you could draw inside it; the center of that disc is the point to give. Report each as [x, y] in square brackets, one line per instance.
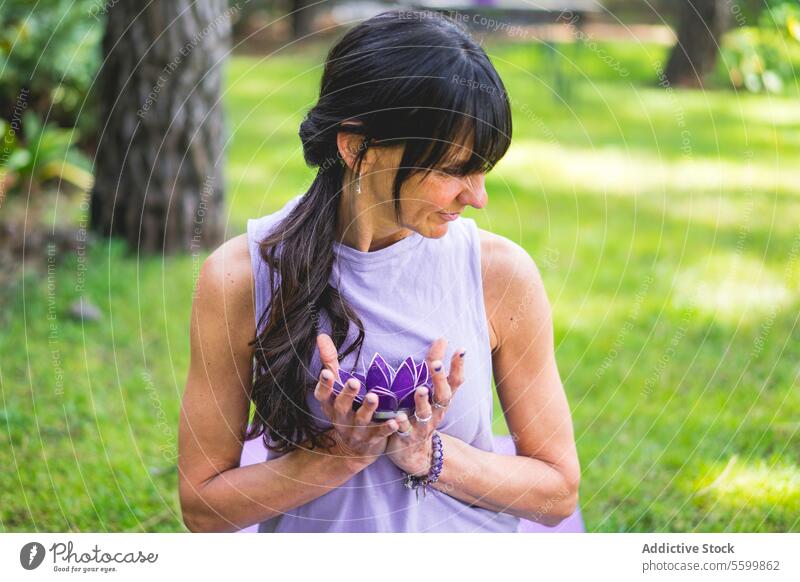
[654, 176]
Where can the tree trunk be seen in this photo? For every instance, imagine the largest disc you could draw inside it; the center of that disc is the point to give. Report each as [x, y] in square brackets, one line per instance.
[302, 13]
[701, 24]
[158, 175]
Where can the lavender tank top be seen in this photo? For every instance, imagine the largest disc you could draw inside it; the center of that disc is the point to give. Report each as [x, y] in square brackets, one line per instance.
[407, 295]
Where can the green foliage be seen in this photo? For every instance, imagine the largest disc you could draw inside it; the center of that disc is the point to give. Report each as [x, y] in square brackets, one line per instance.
[766, 57]
[53, 50]
[45, 153]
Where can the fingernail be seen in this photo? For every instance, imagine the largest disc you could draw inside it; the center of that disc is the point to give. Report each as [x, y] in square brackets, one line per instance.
[326, 375]
[423, 391]
[371, 398]
[437, 366]
[353, 385]
[461, 355]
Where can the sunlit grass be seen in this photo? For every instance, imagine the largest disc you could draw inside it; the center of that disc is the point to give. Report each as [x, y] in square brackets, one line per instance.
[733, 287]
[617, 171]
[758, 489]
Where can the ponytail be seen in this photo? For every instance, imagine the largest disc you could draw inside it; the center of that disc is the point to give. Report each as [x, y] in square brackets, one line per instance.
[300, 257]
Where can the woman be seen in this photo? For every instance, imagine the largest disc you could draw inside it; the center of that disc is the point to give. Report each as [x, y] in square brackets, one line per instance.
[375, 258]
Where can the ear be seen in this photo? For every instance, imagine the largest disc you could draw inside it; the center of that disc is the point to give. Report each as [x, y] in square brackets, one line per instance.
[349, 145]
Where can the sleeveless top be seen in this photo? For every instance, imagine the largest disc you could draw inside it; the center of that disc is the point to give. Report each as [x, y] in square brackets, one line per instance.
[407, 295]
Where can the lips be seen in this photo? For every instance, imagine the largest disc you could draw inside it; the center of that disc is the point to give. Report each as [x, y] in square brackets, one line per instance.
[449, 216]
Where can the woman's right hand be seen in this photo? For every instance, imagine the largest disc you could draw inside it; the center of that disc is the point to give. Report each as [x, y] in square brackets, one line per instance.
[359, 441]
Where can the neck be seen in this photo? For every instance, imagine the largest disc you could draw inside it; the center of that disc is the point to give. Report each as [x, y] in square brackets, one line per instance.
[366, 223]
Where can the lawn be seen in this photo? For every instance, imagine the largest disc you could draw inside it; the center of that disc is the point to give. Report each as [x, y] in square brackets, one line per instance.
[665, 224]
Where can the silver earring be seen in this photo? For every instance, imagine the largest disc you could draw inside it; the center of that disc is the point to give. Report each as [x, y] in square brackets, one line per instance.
[358, 184]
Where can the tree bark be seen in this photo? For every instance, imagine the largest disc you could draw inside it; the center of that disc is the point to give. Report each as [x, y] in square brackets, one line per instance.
[302, 15]
[701, 24]
[158, 175]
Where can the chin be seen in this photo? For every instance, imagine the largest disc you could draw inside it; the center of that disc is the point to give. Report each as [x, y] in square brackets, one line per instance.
[435, 230]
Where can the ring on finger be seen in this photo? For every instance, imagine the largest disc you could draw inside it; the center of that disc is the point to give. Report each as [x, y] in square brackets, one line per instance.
[404, 434]
[423, 420]
[445, 405]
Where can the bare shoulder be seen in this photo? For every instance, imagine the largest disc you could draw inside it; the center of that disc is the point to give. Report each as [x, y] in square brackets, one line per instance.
[512, 286]
[225, 283]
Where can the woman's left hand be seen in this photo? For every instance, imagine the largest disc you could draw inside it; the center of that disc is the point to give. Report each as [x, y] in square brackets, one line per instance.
[412, 453]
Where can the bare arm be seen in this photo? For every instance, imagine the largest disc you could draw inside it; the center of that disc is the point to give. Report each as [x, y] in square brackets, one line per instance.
[541, 482]
[216, 494]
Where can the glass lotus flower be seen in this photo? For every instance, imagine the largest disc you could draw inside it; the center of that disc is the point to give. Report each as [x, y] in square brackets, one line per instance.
[394, 388]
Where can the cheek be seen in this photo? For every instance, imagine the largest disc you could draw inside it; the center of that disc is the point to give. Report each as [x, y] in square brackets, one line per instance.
[441, 192]
[443, 196]
[428, 197]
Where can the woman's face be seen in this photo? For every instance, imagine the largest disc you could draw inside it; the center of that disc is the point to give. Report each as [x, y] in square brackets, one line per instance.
[428, 203]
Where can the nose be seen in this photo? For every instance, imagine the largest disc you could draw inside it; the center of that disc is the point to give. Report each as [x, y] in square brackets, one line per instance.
[474, 192]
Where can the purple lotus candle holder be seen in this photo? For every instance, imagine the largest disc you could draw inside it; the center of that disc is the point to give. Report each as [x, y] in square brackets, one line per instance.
[394, 388]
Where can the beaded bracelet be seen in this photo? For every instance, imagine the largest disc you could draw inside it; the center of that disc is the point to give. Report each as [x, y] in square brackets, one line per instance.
[414, 482]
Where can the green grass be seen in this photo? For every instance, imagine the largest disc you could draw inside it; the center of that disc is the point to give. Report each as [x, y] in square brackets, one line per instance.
[673, 268]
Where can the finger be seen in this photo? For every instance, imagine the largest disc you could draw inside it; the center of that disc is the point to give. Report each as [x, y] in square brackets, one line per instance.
[387, 428]
[324, 387]
[403, 422]
[456, 377]
[441, 387]
[328, 354]
[436, 351]
[423, 410]
[343, 406]
[323, 391]
[364, 414]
